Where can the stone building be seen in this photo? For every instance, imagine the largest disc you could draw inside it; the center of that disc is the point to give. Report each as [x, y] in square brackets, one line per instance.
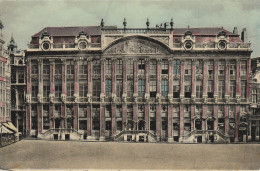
[149, 84]
[18, 86]
[252, 120]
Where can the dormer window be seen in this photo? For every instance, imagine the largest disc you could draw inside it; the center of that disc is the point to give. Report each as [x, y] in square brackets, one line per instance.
[82, 45]
[46, 46]
[188, 45]
[222, 45]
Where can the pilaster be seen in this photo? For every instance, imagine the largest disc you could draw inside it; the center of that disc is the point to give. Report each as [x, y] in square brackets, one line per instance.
[146, 115]
[237, 119]
[248, 71]
[51, 114]
[215, 81]
[102, 123]
[113, 120]
[170, 138]
[181, 79]
[215, 114]
[192, 114]
[158, 122]
[52, 86]
[193, 79]
[39, 115]
[170, 87]
[204, 116]
[76, 80]
[205, 80]
[75, 116]
[227, 93]
[226, 108]
[28, 120]
[238, 93]
[181, 133]
[89, 121]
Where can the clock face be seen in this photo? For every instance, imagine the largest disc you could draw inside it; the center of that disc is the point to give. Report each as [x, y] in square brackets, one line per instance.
[82, 45]
[222, 45]
[46, 46]
[188, 45]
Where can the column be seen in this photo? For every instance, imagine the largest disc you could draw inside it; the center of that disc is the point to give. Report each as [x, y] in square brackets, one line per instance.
[124, 106]
[113, 105]
[158, 97]
[204, 116]
[227, 81]
[52, 92]
[40, 95]
[205, 79]
[135, 106]
[192, 114]
[102, 123]
[28, 99]
[226, 120]
[147, 94]
[51, 116]
[181, 79]
[63, 94]
[215, 80]
[248, 71]
[215, 113]
[193, 80]
[76, 94]
[237, 119]
[238, 81]
[89, 96]
[170, 137]
[181, 123]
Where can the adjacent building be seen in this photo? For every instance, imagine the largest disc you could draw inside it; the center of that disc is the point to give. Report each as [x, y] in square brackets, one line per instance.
[148, 84]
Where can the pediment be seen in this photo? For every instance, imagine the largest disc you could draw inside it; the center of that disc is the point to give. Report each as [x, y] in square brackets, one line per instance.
[136, 46]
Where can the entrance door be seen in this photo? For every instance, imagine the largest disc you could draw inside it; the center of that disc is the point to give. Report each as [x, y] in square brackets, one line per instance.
[198, 124]
[141, 125]
[253, 128]
[210, 125]
[57, 123]
[130, 125]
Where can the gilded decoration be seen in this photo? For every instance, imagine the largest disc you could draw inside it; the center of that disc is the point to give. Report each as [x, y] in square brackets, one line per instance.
[136, 46]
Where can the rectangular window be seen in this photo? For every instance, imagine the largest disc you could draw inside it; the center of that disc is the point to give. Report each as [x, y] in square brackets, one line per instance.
[83, 89]
[130, 88]
[243, 89]
[232, 68]
[221, 89]
[152, 67]
[254, 95]
[164, 66]
[35, 68]
[70, 89]
[58, 69]
[83, 68]
[152, 86]
[210, 69]
[243, 68]
[141, 66]
[119, 67]
[232, 89]
[164, 88]
[175, 111]
[108, 66]
[21, 76]
[83, 124]
[96, 66]
[176, 91]
[141, 88]
[58, 88]
[164, 125]
[96, 88]
[130, 67]
[221, 67]
[152, 125]
[46, 122]
[210, 89]
[108, 125]
[119, 125]
[46, 69]
[199, 67]
[187, 92]
[46, 90]
[176, 67]
[34, 90]
[118, 111]
[187, 67]
[119, 88]
[108, 87]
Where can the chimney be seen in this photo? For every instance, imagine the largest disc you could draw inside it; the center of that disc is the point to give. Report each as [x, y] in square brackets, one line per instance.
[244, 35]
[235, 30]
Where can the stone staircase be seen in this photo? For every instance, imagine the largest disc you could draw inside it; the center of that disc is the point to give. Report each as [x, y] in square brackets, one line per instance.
[190, 138]
[61, 132]
[151, 137]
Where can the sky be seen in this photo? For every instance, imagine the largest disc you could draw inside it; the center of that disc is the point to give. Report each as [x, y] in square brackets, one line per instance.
[23, 18]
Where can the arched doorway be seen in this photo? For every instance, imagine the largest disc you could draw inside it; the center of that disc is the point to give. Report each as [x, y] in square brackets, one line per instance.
[198, 124]
[130, 125]
[141, 125]
[210, 123]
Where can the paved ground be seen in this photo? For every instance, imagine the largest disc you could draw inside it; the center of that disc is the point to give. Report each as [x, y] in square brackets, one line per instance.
[110, 155]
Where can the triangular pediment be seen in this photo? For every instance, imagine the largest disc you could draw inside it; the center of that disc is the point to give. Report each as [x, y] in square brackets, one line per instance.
[136, 46]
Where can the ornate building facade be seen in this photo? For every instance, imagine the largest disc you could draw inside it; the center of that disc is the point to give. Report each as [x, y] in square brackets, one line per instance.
[149, 84]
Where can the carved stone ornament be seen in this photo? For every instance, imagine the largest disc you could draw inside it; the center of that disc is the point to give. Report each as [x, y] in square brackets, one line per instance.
[215, 99]
[96, 76]
[57, 77]
[182, 99]
[136, 46]
[238, 99]
[70, 76]
[165, 77]
[176, 77]
[170, 98]
[108, 76]
[147, 97]
[158, 97]
[89, 98]
[124, 97]
[227, 98]
[63, 98]
[130, 77]
[34, 77]
[193, 99]
[39, 97]
[163, 39]
[199, 77]
[102, 97]
[28, 98]
[135, 97]
[51, 96]
[205, 99]
[113, 97]
[76, 98]
[140, 76]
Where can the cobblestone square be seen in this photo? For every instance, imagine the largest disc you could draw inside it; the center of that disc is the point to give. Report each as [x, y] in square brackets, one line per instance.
[110, 155]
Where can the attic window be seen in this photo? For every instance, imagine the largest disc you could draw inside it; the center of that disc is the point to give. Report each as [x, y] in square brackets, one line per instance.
[188, 45]
[222, 45]
[82, 45]
[45, 45]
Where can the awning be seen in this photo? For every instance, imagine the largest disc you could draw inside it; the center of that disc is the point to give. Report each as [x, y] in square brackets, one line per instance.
[10, 126]
[4, 130]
